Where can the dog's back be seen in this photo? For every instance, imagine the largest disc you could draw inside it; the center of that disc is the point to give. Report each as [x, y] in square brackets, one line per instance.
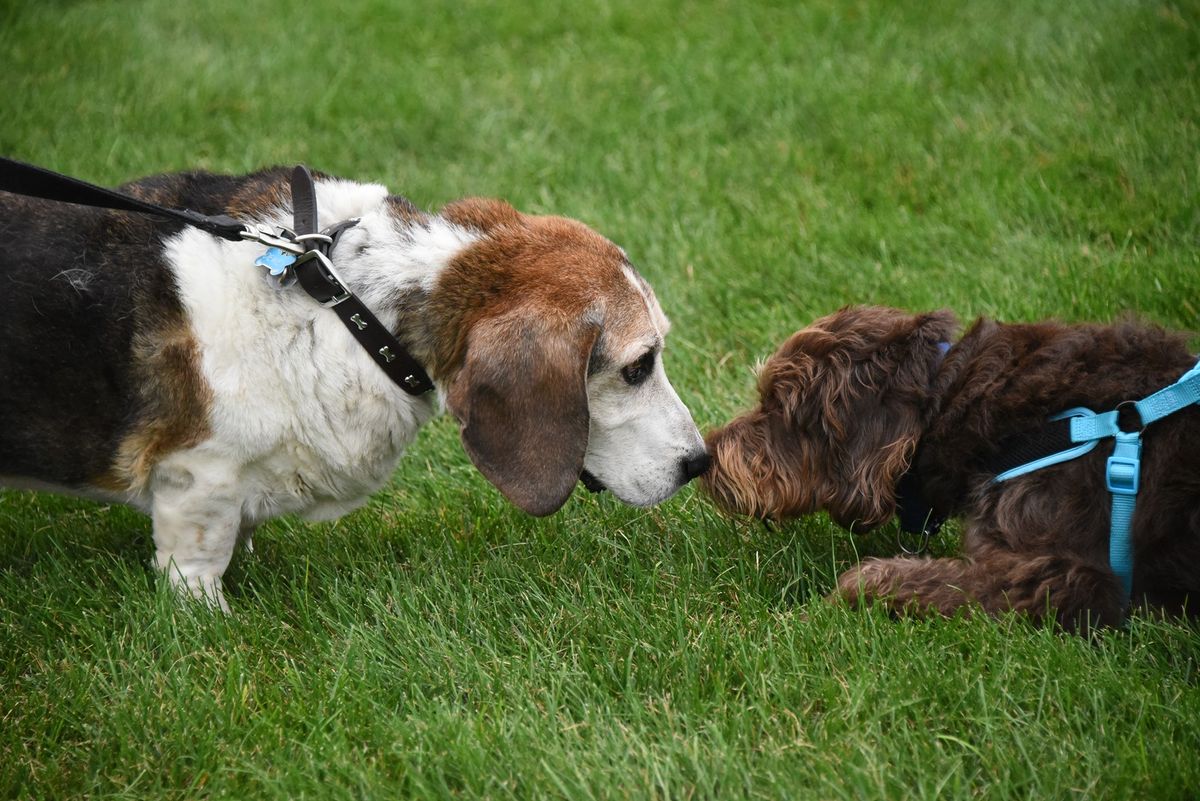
[1003, 380]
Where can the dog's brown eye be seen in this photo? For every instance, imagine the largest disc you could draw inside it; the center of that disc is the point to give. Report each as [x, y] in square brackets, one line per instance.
[637, 372]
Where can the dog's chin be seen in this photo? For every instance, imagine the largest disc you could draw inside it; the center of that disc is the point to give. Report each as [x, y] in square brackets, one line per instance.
[728, 500]
[853, 521]
[591, 483]
[630, 496]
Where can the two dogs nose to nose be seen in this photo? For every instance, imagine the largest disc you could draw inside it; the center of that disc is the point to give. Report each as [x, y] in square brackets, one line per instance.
[694, 466]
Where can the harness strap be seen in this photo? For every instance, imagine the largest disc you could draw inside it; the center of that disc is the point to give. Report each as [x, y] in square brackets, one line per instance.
[1094, 426]
[1042, 447]
[1167, 400]
[1122, 480]
[26, 179]
[1080, 430]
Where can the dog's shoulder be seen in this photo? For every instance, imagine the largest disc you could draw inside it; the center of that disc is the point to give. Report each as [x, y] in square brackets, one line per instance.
[249, 196]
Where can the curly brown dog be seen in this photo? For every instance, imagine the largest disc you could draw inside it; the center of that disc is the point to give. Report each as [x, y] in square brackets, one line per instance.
[848, 405]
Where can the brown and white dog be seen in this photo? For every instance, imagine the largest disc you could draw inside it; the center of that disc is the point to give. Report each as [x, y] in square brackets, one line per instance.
[149, 363]
[848, 404]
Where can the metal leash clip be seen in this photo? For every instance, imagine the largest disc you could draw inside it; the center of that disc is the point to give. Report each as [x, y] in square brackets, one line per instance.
[281, 238]
[904, 545]
[282, 251]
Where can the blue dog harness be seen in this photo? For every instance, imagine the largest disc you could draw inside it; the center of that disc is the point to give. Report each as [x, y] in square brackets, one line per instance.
[1080, 430]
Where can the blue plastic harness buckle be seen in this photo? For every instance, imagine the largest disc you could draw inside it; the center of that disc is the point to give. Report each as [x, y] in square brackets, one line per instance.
[1122, 476]
[1124, 465]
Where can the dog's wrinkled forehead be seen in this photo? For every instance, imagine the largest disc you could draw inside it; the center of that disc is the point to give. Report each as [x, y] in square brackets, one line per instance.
[593, 277]
[553, 269]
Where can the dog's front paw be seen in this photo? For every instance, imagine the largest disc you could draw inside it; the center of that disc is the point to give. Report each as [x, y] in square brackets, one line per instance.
[204, 589]
[207, 590]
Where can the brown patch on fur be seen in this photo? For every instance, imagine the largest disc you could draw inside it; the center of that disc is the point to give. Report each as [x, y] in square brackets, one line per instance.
[245, 197]
[844, 403]
[546, 268]
[173, 413]
[261, 197]
[483, 214]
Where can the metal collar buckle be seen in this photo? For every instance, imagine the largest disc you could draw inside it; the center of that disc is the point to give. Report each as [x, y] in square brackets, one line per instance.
[337, 285]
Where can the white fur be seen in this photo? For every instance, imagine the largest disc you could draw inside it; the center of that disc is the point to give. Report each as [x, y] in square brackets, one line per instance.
[303, 421]
[640, 435]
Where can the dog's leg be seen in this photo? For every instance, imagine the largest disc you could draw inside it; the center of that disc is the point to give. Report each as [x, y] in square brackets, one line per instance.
[1075, 594]
[246, 535]
[196, 526]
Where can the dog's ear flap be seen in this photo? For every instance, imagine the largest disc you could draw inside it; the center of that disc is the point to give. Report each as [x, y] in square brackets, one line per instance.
[481, 213]
[521, 401]
[937, 327]
[867, 497]
[877, 410]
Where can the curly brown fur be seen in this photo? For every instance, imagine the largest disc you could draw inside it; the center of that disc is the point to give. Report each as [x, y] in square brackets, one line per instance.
[844, 404]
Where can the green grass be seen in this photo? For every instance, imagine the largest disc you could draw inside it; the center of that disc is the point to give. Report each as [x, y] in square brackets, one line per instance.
[763, 163]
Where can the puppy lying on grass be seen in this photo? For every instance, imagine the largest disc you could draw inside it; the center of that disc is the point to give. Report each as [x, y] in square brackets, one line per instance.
[867, 396]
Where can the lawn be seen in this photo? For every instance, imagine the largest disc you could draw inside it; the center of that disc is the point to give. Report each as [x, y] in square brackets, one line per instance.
[763, 164]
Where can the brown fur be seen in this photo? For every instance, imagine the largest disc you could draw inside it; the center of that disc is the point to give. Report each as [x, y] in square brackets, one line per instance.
[174, 402]
[848, 403]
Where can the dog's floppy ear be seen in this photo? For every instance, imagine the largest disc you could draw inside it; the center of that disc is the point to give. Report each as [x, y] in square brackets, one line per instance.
[874, 399]
[521, 401]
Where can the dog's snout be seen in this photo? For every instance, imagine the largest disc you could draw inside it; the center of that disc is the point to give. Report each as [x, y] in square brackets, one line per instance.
[694, 466]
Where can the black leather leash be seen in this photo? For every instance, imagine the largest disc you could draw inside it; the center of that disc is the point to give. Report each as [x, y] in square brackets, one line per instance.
[26, 179]
[304, 253]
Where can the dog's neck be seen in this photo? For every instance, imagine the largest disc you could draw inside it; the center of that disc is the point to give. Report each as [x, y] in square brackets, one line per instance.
[392, 260]
[938, 372]
[918, 514]
[943, 454]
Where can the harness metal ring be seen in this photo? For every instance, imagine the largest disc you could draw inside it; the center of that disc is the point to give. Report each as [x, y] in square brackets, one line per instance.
[920, 549]
[1125, 410]
[319, 237]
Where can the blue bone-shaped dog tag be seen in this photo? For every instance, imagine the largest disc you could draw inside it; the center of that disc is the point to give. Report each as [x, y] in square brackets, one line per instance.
[276, 260]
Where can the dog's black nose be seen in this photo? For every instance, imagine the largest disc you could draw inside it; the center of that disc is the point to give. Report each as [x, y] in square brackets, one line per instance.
[695, 466]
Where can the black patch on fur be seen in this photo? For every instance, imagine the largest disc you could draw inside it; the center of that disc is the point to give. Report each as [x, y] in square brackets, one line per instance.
[78, 287]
